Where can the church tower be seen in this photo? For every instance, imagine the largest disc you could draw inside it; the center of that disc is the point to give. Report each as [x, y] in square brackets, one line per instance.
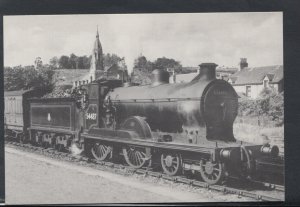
[97, 54]
[96, 66]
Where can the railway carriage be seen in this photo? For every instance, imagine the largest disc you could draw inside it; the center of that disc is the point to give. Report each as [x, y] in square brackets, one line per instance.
[16, 112]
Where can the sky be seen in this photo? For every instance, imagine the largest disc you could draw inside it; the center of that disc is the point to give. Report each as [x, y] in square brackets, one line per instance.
[191, 38]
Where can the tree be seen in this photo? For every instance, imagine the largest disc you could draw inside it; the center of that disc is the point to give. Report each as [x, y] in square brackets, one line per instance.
[167, 63]
[80, 64]
[64, 62]
[110, 59]
[19, 77]
[38, 62]
[73, 61]
[13, 79]
[143, 64]
[54, 62]
[87, 62]
[140, 62]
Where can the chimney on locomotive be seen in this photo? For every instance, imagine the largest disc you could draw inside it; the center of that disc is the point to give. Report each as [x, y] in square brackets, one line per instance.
[159, 77]
[207, 71]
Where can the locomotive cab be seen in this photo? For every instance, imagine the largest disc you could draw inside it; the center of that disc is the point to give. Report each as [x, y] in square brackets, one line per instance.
[97, 113]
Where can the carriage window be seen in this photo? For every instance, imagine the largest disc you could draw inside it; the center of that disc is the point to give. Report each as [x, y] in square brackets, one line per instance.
[16, 105]
[12, 103]
[9, 106]
[6, 106]
[19, 106]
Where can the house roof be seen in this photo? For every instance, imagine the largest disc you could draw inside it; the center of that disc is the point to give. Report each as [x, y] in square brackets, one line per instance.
[185, 77]
[68, 76]
[227, 70]
[189, 69]
[15, 93]
[257, 74]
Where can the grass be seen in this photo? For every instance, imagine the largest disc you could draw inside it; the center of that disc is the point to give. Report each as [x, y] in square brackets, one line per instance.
[255, 134]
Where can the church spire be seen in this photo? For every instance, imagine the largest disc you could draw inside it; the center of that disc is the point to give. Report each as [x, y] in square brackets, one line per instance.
[98, 53]
[97, 35]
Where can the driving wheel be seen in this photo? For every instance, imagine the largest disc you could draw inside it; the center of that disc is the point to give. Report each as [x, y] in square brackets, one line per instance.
[101, 151]
[136, 157]
[211, 172]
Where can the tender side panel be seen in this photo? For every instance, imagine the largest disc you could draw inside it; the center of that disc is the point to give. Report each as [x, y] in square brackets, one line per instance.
[14, 112]
[54, 116]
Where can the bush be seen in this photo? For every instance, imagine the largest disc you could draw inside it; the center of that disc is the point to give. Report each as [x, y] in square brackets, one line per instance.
[18, 78]
[269, 104]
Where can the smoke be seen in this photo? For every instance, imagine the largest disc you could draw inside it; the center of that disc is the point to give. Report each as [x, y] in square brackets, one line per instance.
[75, 150]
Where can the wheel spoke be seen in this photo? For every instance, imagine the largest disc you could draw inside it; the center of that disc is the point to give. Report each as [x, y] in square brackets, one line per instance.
[131, 156]
[215, 174]
[141, 158]
[138, 157]
[144, 154]
[100, 151]
[134, 158]
[103, 150]
[217, 169]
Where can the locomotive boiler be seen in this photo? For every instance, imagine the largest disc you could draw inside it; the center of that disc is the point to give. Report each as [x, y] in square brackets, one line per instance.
[204, 108]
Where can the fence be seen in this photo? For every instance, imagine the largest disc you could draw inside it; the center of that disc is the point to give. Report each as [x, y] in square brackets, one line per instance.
[260, 121]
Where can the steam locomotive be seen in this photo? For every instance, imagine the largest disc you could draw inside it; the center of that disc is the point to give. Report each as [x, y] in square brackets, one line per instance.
[179, 127]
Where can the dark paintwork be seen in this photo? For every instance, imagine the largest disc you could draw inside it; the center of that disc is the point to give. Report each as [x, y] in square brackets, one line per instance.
[20, 120]
[175, 108]
[56, 113]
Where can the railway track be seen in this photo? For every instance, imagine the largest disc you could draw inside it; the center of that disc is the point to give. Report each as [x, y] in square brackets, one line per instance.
[277, 190]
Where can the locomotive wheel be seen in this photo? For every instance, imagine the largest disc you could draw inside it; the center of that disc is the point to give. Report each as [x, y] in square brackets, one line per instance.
[139, 126]
[171, 163]
[136, 157]
[101, 151]
[211, 173]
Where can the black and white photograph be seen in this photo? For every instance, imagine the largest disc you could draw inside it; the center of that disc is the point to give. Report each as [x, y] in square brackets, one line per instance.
[144, 108]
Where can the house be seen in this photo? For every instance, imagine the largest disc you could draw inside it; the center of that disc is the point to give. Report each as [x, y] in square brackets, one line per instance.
[251, 81]
[189, 73]
[117, 71]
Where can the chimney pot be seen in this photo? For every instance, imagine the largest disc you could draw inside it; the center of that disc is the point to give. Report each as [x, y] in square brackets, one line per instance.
[207, 71]
[159, 77]
[243, 63]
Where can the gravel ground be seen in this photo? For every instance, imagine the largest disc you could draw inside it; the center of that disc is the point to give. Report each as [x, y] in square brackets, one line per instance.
[36, 179]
